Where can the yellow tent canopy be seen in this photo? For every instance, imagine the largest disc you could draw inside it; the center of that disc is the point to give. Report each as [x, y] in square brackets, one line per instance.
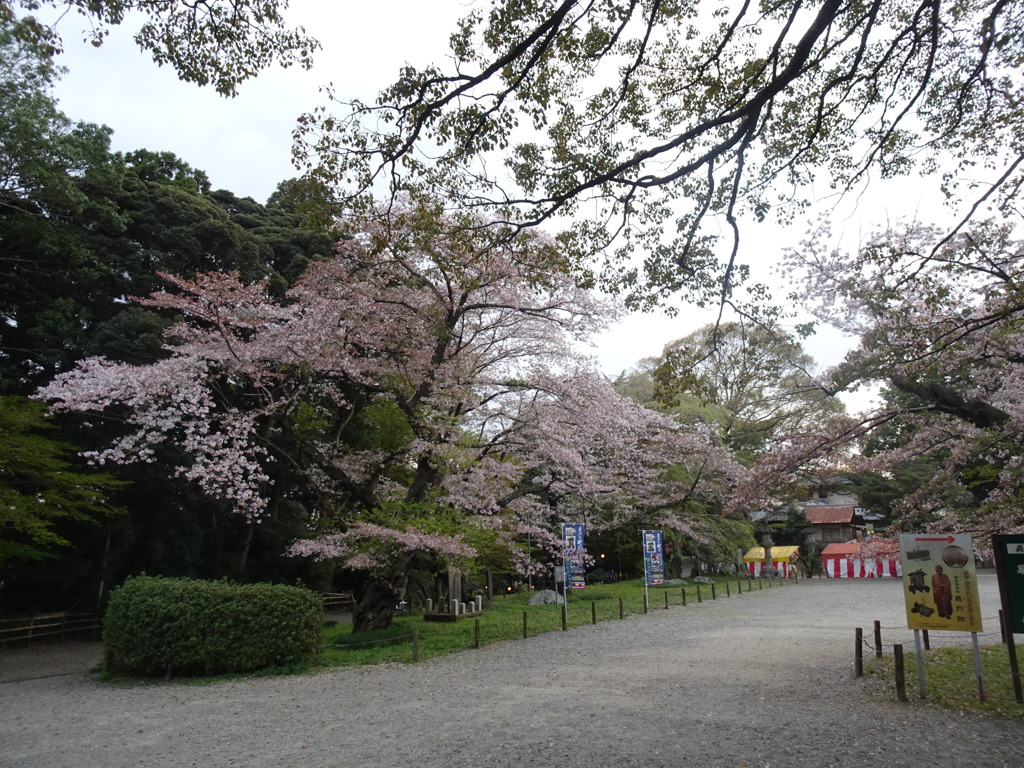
[787, 554]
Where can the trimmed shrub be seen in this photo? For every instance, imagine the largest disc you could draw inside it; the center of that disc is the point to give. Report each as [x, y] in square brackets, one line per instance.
[157, 625]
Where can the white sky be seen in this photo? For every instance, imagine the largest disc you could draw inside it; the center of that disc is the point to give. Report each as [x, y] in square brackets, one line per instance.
[244, 143]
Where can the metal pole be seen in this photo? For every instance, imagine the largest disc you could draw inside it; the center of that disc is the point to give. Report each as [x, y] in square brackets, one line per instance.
[920, 663]
[565, 605]
[977, 667]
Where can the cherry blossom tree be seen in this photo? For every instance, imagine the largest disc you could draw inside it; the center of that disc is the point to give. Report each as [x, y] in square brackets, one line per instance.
[424, 382]
[940, 324]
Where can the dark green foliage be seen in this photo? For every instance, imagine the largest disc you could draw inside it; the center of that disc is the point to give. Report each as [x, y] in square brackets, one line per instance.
[722, 537]
[39, 487]
[794, 531]
[189, 627]
[751, 381]
[82, 231]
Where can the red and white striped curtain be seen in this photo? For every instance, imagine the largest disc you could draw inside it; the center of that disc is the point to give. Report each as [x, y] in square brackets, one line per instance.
[869, 568]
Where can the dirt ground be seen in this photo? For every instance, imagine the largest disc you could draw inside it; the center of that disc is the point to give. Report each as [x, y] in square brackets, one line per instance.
[762, 680]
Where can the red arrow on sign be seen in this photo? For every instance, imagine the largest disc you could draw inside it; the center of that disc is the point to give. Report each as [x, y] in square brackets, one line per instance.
[947, 539]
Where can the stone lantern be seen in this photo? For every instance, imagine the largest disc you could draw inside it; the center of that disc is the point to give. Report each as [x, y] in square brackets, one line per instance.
[768, 570]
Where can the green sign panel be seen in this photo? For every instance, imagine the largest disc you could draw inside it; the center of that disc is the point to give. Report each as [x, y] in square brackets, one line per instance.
[1010, 550]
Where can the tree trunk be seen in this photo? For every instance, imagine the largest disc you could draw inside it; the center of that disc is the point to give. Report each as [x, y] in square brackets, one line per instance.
[376, 609]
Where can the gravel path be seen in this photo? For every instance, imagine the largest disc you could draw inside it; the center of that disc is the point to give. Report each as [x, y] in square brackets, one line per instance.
[759, 680]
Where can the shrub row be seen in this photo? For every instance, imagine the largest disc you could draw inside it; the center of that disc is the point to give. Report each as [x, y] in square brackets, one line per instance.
[169, 626]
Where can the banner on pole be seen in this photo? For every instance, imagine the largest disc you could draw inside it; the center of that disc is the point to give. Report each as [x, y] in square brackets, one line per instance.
[572, 539]
[654, 558]
[940, 584]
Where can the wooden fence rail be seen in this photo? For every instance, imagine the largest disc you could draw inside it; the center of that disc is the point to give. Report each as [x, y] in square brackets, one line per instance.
[334, 601]
[50, 626]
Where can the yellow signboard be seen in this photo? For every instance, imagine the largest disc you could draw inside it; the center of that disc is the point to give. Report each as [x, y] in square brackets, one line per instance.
[940, 584]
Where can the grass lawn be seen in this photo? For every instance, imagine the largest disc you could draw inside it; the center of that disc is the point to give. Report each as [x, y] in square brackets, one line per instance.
[504, 620]
[950, 679]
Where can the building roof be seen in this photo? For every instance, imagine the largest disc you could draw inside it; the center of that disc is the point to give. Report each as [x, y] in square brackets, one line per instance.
[770, 515]
[821, 515]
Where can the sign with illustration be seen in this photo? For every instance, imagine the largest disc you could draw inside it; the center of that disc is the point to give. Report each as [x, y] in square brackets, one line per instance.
[940, 584]
[1009, 554]
[572, 539]
[654, 558]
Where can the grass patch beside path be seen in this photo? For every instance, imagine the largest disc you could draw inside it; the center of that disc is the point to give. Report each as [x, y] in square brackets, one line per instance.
[950, 679]
[503, 620]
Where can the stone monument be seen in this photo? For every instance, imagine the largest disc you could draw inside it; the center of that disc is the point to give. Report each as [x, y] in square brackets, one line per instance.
[768, 570]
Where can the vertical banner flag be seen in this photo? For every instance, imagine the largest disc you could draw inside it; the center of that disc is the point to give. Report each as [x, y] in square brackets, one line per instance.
[572, 538]
[654, 558]
[1009, 554]
[940, 584]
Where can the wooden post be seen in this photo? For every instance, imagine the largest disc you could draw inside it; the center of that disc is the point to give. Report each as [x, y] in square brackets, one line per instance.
[858, 652]
[1011, 649]
[666, 600]
[739, 585]
[901, 680]
[684, 596]
[728, 592]
[699, 598]
[593, 612]
[415, 644]
[565, 615]
[646, 603]
[476, 633]
[526, 625]
[622, 609]
[878, 639]
[759, 587]
[714, 595]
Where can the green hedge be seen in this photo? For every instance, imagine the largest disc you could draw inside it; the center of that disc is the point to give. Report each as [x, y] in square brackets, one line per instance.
[167, 626]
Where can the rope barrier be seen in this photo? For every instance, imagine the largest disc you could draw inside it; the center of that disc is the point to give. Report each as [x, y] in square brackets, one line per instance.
[371, 642]
[930, 656]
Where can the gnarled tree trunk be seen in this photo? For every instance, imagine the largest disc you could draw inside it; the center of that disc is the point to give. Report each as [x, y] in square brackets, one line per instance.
[381, 596]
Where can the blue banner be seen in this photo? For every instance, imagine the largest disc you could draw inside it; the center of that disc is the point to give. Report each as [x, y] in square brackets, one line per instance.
[654, 558]
[572, 539]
